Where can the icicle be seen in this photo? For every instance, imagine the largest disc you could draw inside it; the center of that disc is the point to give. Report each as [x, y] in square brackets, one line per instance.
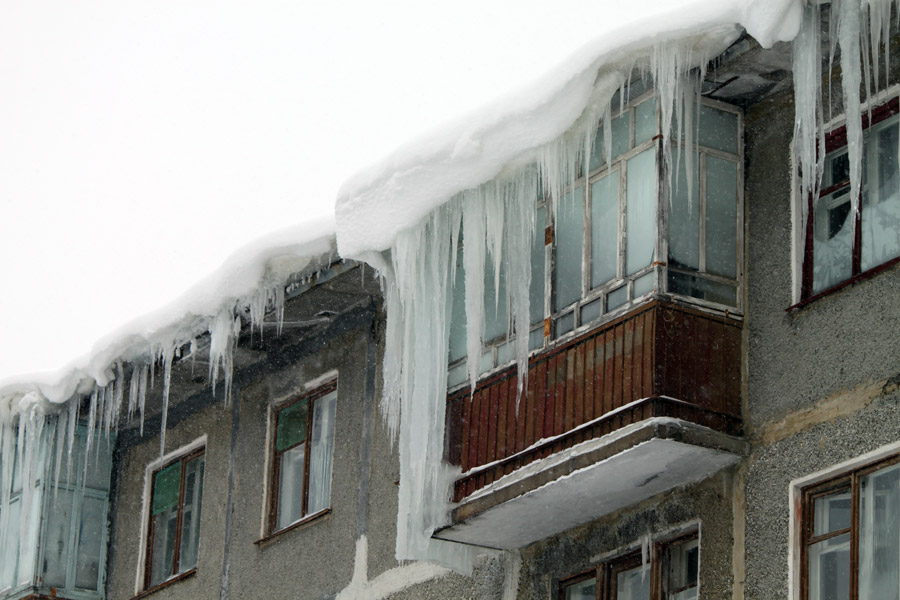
[167, 381]
[59, 439]
[809, 131]
[71, 421]
[474, 219]
[222, 339]
[645, 555]
[849, 34]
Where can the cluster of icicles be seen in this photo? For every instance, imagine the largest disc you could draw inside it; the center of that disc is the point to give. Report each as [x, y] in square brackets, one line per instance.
[497, 222]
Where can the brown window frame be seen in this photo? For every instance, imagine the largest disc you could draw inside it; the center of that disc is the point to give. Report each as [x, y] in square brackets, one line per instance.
[275, 468]
[835, 140]
[606, 572]
[846, 481]
[148, 560]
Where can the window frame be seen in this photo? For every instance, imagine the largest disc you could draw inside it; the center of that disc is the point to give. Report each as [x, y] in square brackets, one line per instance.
[845, 480]
[271, 521]
[605, 572]
[888, 106]
[183, 458]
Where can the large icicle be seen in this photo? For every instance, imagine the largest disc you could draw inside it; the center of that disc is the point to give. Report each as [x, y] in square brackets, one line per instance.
[809, 134]
[849, 31]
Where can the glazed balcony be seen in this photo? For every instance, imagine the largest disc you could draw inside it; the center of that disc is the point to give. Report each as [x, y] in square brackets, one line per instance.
[638, 405]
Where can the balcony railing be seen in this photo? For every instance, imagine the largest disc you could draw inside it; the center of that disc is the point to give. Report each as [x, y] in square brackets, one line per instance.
[660, 360]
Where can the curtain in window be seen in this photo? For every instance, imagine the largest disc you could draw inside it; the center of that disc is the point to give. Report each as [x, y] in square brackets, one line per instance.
[321, 451]
[879, 535]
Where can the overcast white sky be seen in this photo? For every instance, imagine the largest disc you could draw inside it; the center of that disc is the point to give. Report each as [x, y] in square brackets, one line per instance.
[142, 142]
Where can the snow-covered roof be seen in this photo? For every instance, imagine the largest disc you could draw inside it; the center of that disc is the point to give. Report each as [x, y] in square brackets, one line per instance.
[246, 281]
[399, 191]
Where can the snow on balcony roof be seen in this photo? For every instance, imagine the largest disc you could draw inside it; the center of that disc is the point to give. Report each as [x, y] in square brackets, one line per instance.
[257, 268]
[398, 191]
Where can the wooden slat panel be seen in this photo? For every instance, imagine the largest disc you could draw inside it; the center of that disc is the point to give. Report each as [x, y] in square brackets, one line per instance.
[627, 361]
[731, 357]
[558, 399]
[493, 417]
[503, 407]
[588, 378]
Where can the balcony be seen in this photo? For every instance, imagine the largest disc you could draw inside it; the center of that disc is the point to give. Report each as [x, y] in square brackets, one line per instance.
[641, 404]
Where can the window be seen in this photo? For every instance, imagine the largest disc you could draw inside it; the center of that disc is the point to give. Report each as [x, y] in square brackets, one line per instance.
[670, 574]
[302, 451]
[851, 533]
[838, 246]
[174, 528]
[616, 236]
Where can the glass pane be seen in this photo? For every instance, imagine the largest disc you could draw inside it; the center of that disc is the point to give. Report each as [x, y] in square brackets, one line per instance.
[683, 564]
[190, 519]
[458, 314]
[604, 228]
[617, 298]
[583, 590]
[291, 425]
[721, 217]
[496, 309]
[565, 324]
[684, 220]
[457, 375]
[536, 288]
[536, 339]
[90, 539]
[56, 539]
[621, 133]
[879, 535]
[831, 513]
[162, 560]
[166, 488]
[28, 545]
[506, 353]
[9, 548]
[633, 584]
[591, 311]
[567, 264]
[99, 464]
[486, 363]
[832, 240]
[290, 487]
[640, 211]
[321, 450]
[645, 121]
[829, 569]
[596, 160]
[718, 129]
[644, 284]
[881, 200]
[704, 289]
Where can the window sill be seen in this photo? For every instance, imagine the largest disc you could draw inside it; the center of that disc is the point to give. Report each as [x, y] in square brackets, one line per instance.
[846, 283]
[166, 583]
[303, 523]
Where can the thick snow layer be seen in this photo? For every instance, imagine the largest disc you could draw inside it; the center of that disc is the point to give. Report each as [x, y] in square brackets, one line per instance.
[256, 271]
[399, 191]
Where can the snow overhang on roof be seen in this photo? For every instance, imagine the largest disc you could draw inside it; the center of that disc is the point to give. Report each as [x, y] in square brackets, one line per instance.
[399, 191]
[250, 280]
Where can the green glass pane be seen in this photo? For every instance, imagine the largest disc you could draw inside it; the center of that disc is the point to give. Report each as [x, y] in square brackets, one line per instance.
[569, 245]
[718, 129]
[604, 228]
[166, 488]
[640, 211]
[721, 216]
[291, 425]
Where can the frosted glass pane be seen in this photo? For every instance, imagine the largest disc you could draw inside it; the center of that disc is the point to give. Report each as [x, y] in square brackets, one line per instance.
[596, 160]
[644, 284]
[567, 264]
[28, 545]
[496, 310]
[190, 524]
[633, 584]
[9, 548]
[583, 590]
[684, 220]
[591, 311]
[879, 535]
[506, 353]
[718, 129]
[617, 298]
[721, 217]
[99, 464]
[645, 121]
[538, 251]
[604, 228]
[457, 375]
[832, 240]
[565, 324]
[458, 313]
[536, 339]
[90, 539]
[486, 362]
[56, 539]
[881, 200]
[321, 452]
[829, 569]
[621, 134]
[290, 487]
[640, 211]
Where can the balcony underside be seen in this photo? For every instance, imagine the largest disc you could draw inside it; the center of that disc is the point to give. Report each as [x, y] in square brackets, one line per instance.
[590, 480]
